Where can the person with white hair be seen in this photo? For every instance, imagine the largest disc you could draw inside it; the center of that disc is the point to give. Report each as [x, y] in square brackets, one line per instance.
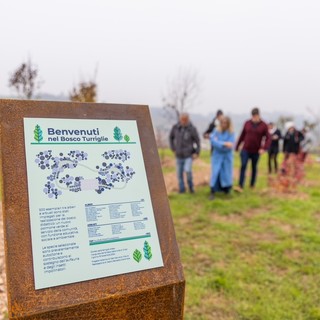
[291, 140]
[292, 167]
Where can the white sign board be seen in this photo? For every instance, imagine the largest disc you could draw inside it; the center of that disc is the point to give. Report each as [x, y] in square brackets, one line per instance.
[90, 207]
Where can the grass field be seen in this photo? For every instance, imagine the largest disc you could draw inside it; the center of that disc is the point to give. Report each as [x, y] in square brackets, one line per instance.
[254, 256]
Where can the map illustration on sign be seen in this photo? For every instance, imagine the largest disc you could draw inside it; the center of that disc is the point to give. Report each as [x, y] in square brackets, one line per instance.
[91, 213]
[105, 176]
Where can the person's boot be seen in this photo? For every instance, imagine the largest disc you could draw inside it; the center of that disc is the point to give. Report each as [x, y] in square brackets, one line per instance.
[238, 189]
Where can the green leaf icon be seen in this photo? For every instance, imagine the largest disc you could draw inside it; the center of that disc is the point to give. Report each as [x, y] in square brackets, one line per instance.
[126, 138]
[117, 134]
[137, 255]
[147, 250]
[37, 133]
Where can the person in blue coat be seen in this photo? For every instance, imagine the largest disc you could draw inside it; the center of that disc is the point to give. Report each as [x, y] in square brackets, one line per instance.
[222, 140]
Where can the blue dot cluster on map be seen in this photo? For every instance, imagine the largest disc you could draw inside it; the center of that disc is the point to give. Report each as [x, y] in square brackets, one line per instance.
[122, 155]
[108, 173]
[57, 165]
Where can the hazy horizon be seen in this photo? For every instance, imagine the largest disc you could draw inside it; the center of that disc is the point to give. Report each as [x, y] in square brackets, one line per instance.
[246, 53]
[303, 114]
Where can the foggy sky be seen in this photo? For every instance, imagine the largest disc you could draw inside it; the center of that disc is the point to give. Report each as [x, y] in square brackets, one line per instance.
[247, 53]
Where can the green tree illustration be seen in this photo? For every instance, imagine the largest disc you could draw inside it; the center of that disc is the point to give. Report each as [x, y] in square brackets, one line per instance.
[137, 255]
[117, 134]
[38, 134]
[126, 138]
[147, 251]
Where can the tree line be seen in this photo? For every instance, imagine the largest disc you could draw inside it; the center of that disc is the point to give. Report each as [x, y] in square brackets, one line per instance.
[181, 93]
[26, 82]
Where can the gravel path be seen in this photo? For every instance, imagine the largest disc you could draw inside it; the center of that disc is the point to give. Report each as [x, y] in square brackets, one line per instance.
[201, 175]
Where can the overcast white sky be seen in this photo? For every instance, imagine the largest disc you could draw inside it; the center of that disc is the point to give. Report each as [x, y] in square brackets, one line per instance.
[247, 52]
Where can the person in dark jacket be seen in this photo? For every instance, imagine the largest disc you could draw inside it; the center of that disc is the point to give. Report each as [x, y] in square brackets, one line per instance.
[292, 168]
[273, 151]
[255, 140]
[185, 143]
[213, 125]
[292, 140]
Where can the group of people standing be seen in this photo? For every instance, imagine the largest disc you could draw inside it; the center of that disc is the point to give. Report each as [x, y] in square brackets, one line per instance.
[256, 138]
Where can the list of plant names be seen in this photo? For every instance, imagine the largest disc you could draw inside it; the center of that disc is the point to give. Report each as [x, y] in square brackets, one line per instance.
[91, 213]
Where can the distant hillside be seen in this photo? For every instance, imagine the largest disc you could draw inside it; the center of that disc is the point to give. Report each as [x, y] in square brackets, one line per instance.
[162, 121]
[41, 96]
[54, 97]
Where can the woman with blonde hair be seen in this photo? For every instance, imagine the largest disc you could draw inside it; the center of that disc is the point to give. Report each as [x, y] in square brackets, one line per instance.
[222, 140]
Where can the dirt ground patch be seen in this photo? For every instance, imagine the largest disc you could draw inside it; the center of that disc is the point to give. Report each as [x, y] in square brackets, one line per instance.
[201, 174]
[236, 219]
[167, 162]
[239, 219]
[185, 220]
[293, 254]
[263, 237]
[215, 306]
[284, 227]
[201, 177]
[290, 195]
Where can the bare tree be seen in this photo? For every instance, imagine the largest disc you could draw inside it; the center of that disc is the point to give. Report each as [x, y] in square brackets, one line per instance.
[281, 123]
[85, 92]
[314, 126]
[161, 136]
[182, 92]
[25, 79]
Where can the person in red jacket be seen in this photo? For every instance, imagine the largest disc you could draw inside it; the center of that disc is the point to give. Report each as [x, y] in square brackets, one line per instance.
[255, 140]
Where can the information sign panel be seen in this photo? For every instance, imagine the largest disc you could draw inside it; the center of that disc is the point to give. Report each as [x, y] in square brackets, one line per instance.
[90, 207]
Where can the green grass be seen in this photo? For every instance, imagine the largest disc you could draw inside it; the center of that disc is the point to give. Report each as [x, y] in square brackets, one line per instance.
[254, 256]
